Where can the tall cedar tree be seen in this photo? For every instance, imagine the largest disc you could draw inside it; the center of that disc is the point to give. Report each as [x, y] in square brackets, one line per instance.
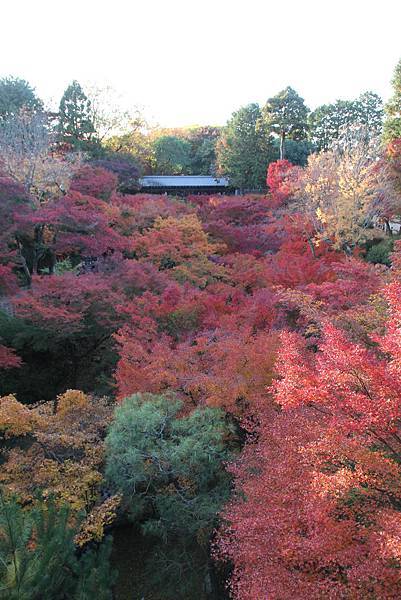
[75, 118]
[286, 116]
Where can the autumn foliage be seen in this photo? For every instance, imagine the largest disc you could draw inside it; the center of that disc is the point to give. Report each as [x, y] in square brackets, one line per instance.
[327, 469]
[280, 179]
[258, 308]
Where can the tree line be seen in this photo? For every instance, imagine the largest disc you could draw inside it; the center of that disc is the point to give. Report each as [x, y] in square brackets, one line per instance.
[254, 136]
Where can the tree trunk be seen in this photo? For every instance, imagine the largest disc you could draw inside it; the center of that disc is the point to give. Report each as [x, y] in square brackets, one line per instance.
[311, 246]
[347, 249]
[282, 146]
[23, 264]
[52, 263]
[38, 248]
[387, 228]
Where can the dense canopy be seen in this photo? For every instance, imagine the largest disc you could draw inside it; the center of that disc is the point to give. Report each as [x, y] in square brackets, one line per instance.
[200, 397]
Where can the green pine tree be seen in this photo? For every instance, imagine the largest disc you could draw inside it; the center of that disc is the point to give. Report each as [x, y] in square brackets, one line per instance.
[15, 95]
[75, 118]
[171, 472]
[38, 559]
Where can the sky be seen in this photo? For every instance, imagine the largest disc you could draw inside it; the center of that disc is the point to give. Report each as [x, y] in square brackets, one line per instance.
[187, 62]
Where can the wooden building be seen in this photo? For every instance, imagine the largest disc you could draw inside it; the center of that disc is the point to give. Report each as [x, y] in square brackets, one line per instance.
[184, 185]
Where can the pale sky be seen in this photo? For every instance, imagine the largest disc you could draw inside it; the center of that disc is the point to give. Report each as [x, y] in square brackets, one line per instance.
[195, 62]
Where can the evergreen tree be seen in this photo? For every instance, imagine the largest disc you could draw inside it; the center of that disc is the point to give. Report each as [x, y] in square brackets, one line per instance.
[297, 152]
[171, 472]
[38, 558]
[203, 149]
[286, 116]
[392, 126]
[327, 122]
[245, 149]
[75, 118]
[172, 155]
[16, 94]
[371, 112]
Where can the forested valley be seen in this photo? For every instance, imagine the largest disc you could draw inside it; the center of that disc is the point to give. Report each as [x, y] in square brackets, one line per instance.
[200, 395]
